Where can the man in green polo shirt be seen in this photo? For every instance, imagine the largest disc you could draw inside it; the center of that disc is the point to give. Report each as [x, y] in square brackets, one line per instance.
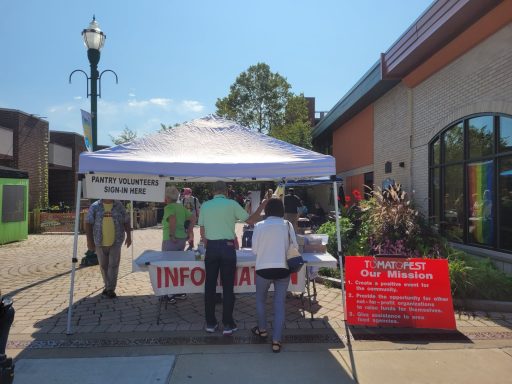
[217, 220]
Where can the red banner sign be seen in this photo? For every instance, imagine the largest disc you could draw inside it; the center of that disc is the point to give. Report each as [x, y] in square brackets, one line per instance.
[389, 292]
[189, 277]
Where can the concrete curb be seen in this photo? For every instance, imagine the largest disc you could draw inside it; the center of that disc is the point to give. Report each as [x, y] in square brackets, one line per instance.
[483, 305]
[468, 304]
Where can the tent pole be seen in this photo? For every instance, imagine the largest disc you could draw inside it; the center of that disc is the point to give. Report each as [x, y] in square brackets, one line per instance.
[340, 251]
[74, 260]
[131, 225]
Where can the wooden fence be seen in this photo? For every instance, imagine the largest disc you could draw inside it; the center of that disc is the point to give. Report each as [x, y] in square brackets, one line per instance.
[64, 222]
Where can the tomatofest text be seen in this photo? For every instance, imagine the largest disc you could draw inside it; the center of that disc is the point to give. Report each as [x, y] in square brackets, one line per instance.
[398, 292]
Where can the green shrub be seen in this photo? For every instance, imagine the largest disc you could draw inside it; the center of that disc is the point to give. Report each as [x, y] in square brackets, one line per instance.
[475, 278]
[330, 272]
[329, 228]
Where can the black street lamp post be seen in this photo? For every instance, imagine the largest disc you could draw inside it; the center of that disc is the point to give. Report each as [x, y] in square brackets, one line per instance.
[94, 39]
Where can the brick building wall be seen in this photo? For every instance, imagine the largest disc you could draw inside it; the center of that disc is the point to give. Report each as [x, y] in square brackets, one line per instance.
[30, 151]
[63, 182]
[406, 119]
[478, 82]
[392, 136]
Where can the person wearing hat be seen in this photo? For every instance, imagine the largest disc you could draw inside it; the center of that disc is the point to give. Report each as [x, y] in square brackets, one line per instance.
[217, 221]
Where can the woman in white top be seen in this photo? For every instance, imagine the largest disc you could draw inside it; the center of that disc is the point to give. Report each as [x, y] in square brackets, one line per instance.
[270, 242]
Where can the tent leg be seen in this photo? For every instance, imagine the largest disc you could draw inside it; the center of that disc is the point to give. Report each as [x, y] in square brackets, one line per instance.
[74, 260]
[131, 226]
[340, 251]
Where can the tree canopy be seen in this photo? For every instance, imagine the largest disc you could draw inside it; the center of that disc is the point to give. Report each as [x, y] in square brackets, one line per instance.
[257, 99]
[125, 136]
[297, 127]
[261, 100]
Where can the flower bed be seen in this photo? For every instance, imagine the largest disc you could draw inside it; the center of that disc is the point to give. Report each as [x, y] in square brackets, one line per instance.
[387, 223]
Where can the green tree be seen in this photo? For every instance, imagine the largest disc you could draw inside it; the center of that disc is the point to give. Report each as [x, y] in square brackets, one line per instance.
[165, 128]
[257, 99]
[297, 127]
[126, 136]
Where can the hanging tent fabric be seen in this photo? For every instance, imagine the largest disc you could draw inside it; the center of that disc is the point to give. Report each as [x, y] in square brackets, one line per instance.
[311, 182]
[205, 150]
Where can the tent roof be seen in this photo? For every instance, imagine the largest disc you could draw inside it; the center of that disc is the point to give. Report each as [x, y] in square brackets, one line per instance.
[208, 149]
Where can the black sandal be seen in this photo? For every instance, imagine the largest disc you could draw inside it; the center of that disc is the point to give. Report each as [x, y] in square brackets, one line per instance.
[257, 332]
[276, 346]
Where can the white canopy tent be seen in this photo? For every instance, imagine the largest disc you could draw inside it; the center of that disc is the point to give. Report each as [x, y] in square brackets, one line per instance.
[206, 150]
[210, 149]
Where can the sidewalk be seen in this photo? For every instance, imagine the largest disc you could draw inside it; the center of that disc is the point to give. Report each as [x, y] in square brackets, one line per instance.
[36, 273]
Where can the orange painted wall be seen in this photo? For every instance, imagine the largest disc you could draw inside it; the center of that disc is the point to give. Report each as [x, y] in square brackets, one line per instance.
[482, 29]
[353, 142]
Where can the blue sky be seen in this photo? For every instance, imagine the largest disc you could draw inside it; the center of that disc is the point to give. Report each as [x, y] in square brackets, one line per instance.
[175, 58]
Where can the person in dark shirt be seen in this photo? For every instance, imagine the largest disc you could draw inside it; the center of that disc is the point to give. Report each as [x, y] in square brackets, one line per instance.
[341, 196]
[319, 216]
[291, 204]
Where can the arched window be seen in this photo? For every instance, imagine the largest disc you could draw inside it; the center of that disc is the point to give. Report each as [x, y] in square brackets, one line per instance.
[470, 181]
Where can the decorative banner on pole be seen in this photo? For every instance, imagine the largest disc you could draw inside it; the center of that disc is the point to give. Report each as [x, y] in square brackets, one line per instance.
[124, 187]
[87, 125]
[393, 292]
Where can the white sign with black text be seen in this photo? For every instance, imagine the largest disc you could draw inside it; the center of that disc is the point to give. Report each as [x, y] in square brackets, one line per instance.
[124, 187]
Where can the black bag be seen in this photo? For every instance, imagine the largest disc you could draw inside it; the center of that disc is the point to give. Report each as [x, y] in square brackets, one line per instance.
[247, 239]
[295, 264]
[294, 259]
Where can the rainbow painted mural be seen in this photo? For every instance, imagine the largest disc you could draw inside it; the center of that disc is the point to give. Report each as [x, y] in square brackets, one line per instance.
[480, 182]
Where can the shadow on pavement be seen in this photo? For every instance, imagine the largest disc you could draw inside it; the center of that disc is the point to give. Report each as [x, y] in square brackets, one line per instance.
[14, 292]
[419, 336]
[132, 320]
[117, 326]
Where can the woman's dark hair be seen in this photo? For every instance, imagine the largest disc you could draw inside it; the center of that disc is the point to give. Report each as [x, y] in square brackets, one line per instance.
[274, 207]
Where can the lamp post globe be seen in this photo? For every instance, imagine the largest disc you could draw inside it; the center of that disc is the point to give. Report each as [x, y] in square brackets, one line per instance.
[94, 39]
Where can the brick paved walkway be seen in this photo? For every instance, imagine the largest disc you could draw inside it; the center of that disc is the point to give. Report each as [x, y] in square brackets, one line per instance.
[36, 273]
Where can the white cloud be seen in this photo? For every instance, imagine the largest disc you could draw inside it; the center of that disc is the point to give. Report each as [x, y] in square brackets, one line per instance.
[156, 101]
[192, 106]
[162, 102]
[138, 104]
[77, 97]
[131, 94]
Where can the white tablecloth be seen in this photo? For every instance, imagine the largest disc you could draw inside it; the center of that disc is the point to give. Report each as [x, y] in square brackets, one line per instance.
[245, 257]
[180, 272]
